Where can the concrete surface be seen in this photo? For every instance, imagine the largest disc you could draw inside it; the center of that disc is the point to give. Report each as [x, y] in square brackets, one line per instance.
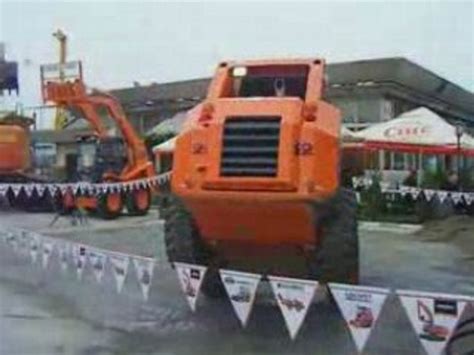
[100, 321]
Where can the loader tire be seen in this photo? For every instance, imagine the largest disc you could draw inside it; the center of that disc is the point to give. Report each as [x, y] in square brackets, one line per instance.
[336, 259]
[184, 244]
[138, 202]
[109, 206]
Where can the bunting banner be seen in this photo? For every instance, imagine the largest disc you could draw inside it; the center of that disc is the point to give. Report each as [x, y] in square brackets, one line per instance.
[97, 260]
[241, 288]
[78, 253]
[466, 197]
[360, 306]
[190, 277]
[294, 296]
[48, 247]
[80, 188]
[433, 316]
[120, 268]
[144, 270]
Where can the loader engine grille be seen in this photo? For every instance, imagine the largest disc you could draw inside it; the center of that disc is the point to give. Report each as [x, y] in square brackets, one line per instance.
[250, 146]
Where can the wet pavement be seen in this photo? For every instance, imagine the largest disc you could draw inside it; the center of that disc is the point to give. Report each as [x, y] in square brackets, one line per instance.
[51, 312]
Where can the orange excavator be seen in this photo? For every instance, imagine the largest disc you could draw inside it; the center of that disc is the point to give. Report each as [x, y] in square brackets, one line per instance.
[115, 159]
[257, 182]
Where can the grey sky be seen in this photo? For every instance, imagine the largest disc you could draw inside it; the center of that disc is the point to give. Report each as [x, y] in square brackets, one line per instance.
[137, 41]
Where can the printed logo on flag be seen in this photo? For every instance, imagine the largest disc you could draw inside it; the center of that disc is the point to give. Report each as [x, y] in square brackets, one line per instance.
[433, 317]
[360, 307]
[48, 247]
[241, 288]
[97, 260]
[120, 268]
[294, 297]
[190, 277]
[144, 269]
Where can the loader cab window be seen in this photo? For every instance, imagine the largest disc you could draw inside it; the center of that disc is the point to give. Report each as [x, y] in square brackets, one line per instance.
[269, 81]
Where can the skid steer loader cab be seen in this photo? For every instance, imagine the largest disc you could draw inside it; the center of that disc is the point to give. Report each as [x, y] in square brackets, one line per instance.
[257, 165]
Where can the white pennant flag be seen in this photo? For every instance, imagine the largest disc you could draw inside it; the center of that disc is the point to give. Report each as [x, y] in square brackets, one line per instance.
[456, 197]
[64, 251]
[40, 189]
[12, 241]
[79, 258]
[3, 190]
[468, 198]
[144, 269]
[29, 190]
[442, 195]
[294, 297]
[48, 247]
[241, 288]
[16, 189]
[429, 194]
[97, 260]
[360, 307]
[433, 316]
[190, 277]
[34, 247]
[120, 269]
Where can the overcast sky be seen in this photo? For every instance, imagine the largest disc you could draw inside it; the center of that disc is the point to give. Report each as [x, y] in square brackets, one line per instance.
[124, 42]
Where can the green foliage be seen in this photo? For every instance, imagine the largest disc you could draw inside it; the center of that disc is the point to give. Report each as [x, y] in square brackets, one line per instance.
[434, 179]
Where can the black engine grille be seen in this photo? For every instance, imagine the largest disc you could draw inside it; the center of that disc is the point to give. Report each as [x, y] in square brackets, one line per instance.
[250, 146]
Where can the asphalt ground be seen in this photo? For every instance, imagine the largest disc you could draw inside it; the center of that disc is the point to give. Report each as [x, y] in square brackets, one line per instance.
[55, 313]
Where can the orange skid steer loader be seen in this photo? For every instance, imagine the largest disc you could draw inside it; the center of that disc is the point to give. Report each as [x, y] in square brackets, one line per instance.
[256, 179]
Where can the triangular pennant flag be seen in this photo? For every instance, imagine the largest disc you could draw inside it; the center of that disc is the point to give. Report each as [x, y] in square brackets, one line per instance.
[442, 195]
[16, 189]
[40, 189]
[12, 240]
[429, 194]
[97, 260]
[456, 197]
[79, 258]
[3, 190]
[144, 269]
[468, 198]
[190, 277]
[120, 269]
[64, 252]
[294, 297]
[34, 247]
[48, 247]
[29, 190]
[433, 316]
[24, 243]
[241, 288]
[360, 307]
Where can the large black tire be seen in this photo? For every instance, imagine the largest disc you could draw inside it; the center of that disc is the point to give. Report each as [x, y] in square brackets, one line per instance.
[103, 209]
[184, 244]
[135, 207]
[336, 258]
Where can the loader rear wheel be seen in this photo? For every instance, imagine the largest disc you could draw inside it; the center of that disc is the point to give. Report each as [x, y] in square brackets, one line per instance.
[109, 206]
[184, 244]
[138, 202]
[336, 259]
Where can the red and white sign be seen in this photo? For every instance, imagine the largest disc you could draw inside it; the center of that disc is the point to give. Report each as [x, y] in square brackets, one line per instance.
[433, 316]
[360, 307]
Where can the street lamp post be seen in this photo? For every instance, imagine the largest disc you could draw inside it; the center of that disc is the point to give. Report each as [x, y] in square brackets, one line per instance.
[459, 133]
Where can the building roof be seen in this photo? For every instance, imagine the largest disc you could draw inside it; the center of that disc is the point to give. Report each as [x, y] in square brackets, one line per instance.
[398, 77]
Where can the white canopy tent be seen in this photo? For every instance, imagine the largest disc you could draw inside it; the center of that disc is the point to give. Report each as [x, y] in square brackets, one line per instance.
[417, 130]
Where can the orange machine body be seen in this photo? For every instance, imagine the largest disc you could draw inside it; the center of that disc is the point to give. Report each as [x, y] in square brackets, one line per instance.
[14, 149]
[72, 94]
[237, 199]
